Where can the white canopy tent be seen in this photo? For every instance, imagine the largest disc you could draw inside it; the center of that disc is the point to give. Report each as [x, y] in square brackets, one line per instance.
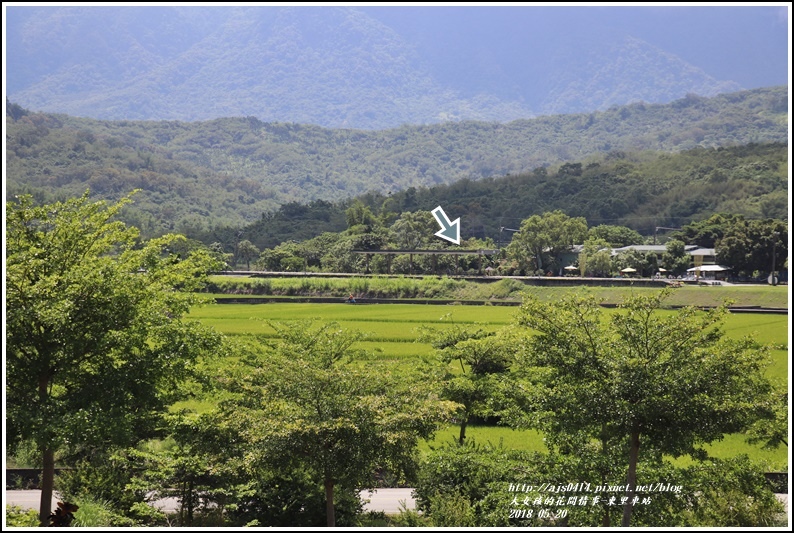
[709, 271]
[708, 268]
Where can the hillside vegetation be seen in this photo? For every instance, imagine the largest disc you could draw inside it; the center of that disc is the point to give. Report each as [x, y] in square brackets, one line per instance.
[639, 190]
[199, 176]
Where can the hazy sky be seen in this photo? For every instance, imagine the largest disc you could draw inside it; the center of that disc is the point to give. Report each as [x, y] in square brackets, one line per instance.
[747, 44]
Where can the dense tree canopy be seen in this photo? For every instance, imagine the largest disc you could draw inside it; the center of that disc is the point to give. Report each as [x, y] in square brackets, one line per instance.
[640, 380]
[95, 344]
[542, 238]
[306, 404]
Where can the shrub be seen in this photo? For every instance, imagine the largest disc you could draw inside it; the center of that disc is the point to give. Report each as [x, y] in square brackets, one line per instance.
[94, 513]
[18, 517]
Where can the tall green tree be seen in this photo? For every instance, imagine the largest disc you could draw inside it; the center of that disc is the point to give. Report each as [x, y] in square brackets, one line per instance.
[641, 378]
[483, 359]
[751, 245]
[359, 214]
[247, 251]
[542, 238]
[643, 263]
[414, 229]
[595, 259]
[95, 340]
[675, 259]
[305, 404]
[616, 236]
[706, 233]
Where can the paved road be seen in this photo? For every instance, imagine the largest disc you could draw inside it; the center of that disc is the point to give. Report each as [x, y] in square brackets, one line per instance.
[386, 500]
[27, 499]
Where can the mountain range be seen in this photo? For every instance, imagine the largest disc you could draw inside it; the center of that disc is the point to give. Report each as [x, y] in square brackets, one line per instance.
[375, 67]
[231, 171]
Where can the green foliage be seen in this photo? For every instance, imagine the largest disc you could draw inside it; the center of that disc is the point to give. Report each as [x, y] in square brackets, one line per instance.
[410, 518]
[460, 485]
[96, 346]
[359, 214]
[669, 382]
[483, 359]
[18, 517]
[615, 236]
[706, 233]
[96, 513]
[750, 245]
[774, 431]
[303, 406]
[290, 497]
[23, 454]
[104, 477]
[543, 238]
[246, 251]
[506, 288]
[675, 258]
[473, 482]
[731, 493]
[644, 263]
[595, 257]
[746, 245]
[209, 178]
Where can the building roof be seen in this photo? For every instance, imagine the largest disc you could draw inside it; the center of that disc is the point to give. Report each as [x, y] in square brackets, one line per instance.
[658, 248]
[703, 251]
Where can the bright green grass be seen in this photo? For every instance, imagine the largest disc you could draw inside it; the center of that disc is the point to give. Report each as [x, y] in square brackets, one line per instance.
[457, 289]
[378, 350]
[410, 313]
[733, 445]
[384, 324]
[523, 439]
[698, 295]
[391, 326]
[393, 330]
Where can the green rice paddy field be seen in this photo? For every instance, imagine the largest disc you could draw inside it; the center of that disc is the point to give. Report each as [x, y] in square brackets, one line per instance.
[391, 331]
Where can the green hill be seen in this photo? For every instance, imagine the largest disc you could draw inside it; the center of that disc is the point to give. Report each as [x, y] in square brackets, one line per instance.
[228, 172]
[640, 190]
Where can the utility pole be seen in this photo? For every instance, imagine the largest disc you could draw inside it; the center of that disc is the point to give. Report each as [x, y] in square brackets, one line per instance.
[657, 228]
[774, 250]
[501, 229]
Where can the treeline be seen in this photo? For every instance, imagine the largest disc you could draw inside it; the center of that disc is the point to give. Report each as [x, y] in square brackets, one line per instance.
[199, 176]
[545, 244]
[637, 190]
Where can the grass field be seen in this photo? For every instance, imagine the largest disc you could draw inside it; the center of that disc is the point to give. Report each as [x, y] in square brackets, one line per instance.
[457, 289]
[392, 330]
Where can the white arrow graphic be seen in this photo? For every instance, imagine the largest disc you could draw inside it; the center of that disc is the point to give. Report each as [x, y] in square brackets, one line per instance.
[450, 231]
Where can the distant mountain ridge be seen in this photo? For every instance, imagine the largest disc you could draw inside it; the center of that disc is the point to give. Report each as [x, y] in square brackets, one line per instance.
[330, 66]
[605, 77]
[232, 170]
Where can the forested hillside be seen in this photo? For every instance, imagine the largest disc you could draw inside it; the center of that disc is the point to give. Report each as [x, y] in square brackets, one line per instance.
[640, 190]
[228, 172]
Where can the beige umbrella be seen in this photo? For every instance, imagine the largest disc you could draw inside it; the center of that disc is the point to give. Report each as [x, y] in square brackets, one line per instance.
[628, 270]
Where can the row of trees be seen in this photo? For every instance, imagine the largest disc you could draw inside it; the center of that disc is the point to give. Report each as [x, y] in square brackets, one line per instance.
[98, 350]
[543, 243]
